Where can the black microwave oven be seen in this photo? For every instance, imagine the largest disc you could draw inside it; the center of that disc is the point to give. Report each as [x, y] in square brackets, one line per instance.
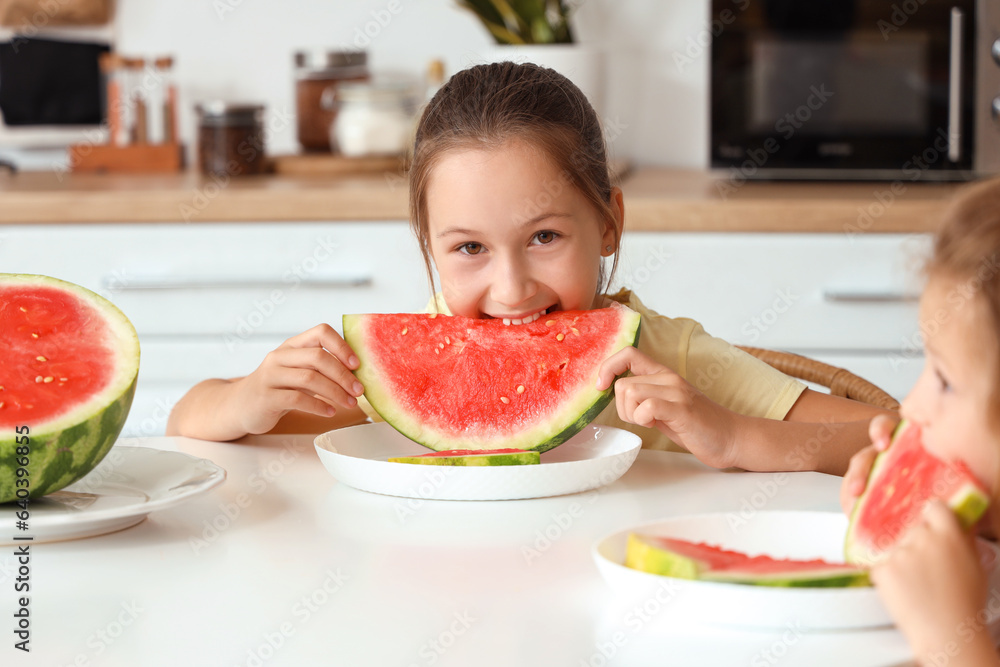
[855, 89]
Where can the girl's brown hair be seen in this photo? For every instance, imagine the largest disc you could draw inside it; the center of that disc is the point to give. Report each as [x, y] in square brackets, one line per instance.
[967, 249]
[486, 106]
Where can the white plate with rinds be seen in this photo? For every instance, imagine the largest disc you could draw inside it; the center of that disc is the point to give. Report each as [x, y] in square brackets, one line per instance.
[780, 534]
[357, 456]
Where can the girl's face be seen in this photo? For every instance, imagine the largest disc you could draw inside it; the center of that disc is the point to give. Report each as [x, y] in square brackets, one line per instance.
[511, 237]
[951, 400]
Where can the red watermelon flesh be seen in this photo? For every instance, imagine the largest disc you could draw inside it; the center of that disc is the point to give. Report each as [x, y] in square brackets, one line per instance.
[452, 382]
[698, 560]
[472, 452]
[56, 354]
[902, 480]
[69, 360]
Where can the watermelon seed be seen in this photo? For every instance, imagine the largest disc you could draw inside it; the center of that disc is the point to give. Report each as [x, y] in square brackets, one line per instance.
[1, 404]
[520, 388]
[575, 330]
[550, 323]
[432, 315]
[64, 379]
[505, 399]
[437, 351]
[23, 309]
[559, 336]
[48, 379]
[41, 358]
[38, 378]
[441, 345]
[404, 331]
[34, 335]
[447, 341]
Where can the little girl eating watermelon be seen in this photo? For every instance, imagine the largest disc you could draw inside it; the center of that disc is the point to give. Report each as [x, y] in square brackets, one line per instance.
[512, 202]
[932, 581]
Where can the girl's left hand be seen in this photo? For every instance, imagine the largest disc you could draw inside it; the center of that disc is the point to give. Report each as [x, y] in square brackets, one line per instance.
[657, 397]
[933, 585]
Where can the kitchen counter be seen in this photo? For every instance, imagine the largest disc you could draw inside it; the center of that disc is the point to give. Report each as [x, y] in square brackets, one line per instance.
[282, 564]
[656, 199]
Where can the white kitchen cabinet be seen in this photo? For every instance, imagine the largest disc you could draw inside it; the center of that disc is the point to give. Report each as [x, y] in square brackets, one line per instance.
[847, 300]
[210, 300]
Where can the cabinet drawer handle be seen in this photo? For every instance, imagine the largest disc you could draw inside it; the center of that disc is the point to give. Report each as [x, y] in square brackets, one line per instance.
[862, 296]
[142, 283]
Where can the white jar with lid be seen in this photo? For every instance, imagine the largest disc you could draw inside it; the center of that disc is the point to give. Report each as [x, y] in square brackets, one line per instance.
[374, 118]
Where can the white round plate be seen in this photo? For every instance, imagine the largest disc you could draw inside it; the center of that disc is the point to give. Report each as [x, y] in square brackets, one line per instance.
[356, 456]
[127, 485]
[779, 534]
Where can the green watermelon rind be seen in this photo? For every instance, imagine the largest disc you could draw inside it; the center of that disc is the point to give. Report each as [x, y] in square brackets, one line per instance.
[968, 502]
[584, 408]
[64, 450]
[508, 459]
[666, 563]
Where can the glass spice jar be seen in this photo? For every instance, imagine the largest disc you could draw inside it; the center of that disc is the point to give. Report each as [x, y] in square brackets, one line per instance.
[230, 139]
[317, 77]
[375, 119]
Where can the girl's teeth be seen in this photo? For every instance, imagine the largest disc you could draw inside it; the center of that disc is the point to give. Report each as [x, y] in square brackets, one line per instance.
[525, 320]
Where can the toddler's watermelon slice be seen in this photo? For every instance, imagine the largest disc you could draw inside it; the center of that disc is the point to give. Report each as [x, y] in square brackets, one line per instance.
[452, 382]
[902, 480]
[696, 560]
[470, 457]
[68, 366]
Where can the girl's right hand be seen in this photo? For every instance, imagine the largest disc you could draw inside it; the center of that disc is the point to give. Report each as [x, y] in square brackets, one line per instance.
[880, 431]
[310, 372]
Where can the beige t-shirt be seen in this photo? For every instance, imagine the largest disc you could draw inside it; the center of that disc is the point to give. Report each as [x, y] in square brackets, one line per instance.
[726, 374]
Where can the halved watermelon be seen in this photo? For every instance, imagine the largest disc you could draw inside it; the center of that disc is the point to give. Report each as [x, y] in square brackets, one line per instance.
[68, 366]
[452, 382]
[683, 559]
[901, 482]
[471, 457]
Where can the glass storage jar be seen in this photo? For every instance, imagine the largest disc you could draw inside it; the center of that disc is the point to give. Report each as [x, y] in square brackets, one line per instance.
[230, 139]
[318, 74]
[374, 118]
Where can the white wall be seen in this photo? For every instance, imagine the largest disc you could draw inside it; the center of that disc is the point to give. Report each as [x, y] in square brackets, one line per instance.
[241, 50]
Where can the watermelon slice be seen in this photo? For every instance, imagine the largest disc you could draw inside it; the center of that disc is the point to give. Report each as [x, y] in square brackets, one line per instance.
[696, 560]
[451, 382]
[471, 457]
[68, 366]
[901, 482]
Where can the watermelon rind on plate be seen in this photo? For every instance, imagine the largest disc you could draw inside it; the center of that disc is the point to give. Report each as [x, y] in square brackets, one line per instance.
[70, 362]
[683, 559]
[903, 479]
[468, 457]
[450, 382]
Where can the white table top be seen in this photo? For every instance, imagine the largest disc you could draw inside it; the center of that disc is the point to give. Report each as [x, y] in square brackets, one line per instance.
[283, 565]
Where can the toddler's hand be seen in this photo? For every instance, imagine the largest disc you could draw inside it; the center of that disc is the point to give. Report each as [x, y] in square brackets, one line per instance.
[657, 397]
[880, 431]
[933, 585]
[310, 372]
